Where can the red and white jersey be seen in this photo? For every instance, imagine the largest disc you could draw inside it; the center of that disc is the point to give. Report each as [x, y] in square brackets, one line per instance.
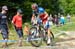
[44, 18]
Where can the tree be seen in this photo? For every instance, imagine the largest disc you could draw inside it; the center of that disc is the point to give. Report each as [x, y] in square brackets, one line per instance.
[68, 6]
[51, 6]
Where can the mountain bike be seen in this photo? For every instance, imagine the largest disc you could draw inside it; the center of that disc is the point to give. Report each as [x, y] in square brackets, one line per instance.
[39, 34]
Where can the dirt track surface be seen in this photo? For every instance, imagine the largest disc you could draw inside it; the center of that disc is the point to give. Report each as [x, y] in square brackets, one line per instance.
[67, 42]
[59, 45]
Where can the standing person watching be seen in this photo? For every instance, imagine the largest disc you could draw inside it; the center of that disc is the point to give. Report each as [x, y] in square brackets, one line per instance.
[62, 20]
[68, 17]
[17, 21]
[4, 25]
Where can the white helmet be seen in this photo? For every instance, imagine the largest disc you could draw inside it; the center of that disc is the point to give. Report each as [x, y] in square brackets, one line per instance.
[34, 6]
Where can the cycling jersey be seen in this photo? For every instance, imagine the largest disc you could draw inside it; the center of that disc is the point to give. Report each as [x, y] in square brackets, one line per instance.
[44, 18]
[36, 13]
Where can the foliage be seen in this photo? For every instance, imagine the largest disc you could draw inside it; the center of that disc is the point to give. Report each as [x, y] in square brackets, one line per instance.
[51, 6]
[68, 6]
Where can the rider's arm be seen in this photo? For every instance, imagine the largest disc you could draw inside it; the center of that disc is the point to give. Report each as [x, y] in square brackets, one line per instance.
[46, 15]
[33, 17]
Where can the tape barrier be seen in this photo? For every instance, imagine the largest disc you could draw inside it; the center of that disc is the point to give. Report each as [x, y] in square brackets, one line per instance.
[17, 40]
[8, 40]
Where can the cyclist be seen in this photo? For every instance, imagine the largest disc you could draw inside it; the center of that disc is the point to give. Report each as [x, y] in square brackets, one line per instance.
[43, 17]
[68, 17]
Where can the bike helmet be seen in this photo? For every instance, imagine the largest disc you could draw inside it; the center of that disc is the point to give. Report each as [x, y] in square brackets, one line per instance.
[41, 10]
[34, 6]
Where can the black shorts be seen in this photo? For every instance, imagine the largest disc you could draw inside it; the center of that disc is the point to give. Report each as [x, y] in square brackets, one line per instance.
[19, 32]
[4, 33]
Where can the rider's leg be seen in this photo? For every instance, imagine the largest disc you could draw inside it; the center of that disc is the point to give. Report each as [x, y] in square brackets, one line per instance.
[47, 27]
[49, 36]
[39, 21]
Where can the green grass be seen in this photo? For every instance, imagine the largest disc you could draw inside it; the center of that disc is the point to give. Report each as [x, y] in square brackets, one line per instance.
[67, 27]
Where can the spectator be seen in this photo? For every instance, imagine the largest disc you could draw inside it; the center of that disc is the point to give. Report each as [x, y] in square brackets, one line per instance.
[17, 21]
[4, 25]
[59, 15]
[62, 20]
[56, 20]
[50, 20]
[26, 29]
[68, 17]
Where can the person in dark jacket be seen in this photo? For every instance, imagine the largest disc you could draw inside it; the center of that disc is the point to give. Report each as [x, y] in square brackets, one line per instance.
[4, 25]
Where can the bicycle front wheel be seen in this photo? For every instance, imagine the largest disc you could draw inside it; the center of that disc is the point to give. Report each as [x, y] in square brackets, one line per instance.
[36, 39]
